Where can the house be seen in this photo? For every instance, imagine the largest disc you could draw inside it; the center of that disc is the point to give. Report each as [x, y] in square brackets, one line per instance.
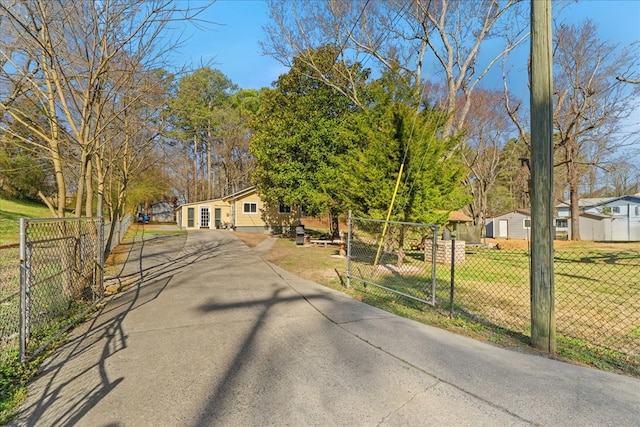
[162, 211]
[515, 224]
[241, 211]
[613, 219]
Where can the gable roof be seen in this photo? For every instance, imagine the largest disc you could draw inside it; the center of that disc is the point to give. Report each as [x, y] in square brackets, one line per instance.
[594, 215]
[599, 201]
[525, 212]
[230, 197]
[239, 194]
[459, 216]
[199, 202]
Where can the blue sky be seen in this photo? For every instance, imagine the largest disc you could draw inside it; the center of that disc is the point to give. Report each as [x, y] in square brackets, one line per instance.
[232, 46]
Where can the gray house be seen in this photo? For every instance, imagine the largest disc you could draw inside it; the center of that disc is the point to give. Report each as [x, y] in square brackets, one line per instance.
[162, 211]
[609, 219]
[515, 224]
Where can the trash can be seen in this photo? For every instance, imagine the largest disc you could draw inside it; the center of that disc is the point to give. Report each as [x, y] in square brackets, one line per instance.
[300, 234]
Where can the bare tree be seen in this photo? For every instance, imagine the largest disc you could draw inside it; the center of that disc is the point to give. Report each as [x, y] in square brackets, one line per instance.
[67, 58]
[593, 99]
[487, 129]
[622, 179]
[233, 161]
[439, 38]
[591, 104]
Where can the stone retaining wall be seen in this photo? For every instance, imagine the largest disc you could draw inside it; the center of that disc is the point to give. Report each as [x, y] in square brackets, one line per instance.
[443, 251]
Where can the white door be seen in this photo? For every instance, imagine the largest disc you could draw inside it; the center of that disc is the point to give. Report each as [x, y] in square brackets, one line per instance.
[503, 228]
[205, 217]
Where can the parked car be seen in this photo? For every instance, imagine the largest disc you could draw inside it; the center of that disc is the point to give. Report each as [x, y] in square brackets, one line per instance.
[143, 218]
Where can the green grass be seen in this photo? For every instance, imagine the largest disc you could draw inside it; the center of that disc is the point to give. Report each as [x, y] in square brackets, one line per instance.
[10, 213]
[14, 378]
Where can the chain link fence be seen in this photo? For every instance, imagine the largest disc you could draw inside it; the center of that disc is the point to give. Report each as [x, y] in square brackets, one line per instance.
[120, 228]
[397, 257]
[597, 292]
[9, 295]
[61, 276]
[60, 266]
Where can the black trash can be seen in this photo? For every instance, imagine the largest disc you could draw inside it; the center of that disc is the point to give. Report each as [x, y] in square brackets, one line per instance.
[300, 234]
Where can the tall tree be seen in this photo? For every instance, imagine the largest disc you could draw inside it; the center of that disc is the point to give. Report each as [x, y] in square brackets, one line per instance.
[487, 129]
[232, 159]
[297, 136]
[200, 98]
[416, 35]
[396, 133]
[591, 103]
[67, 59]
[398, 143]
[513, 178]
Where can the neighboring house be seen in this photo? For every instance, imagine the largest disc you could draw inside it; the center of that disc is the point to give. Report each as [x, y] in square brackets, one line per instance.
[615, 219]
[515, 224]
[241, 211]
[162, 211]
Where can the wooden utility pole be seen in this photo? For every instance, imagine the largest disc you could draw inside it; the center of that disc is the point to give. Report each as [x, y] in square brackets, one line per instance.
[543, 315]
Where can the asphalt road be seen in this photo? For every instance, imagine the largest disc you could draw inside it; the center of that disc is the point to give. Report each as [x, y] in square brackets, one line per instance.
[210, 334]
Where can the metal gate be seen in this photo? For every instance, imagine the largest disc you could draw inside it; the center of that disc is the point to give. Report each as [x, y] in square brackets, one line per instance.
[399, 257]
[61, 275]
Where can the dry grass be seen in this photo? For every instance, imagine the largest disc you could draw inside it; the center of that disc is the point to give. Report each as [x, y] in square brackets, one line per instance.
[582, 245]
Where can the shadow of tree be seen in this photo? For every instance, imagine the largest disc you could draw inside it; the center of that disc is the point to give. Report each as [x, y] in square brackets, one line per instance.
[150, 262]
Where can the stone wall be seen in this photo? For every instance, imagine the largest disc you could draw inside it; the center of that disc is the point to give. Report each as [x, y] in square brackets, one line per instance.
[443, 251]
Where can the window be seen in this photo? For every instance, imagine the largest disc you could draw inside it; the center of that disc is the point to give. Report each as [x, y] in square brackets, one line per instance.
[284, 209]
[638, 210]
[249, 208]
[527, 223]
[190, 217]
[615, 209]
[562, 223]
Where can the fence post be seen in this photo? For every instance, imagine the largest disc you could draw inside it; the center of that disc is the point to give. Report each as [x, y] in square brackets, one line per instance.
[100, 258]
[453, 269]
[349, 251]
[434, 264]
[24, 291]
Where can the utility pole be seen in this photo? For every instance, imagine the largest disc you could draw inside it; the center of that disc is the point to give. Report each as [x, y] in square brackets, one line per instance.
[543, 315]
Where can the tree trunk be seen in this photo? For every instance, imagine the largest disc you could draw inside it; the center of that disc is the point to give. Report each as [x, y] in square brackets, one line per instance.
[334, 224]
[574, 196]
[400, 252]
[209, 174]
[81, 180]
[195, 168]
[88, 206]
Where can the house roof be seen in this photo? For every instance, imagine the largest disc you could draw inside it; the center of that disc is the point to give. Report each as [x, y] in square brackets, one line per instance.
[594, 215]
[598, 201]
[199, 202]
[525, 212]
[241, 193]
[227, 198]
[459, 216]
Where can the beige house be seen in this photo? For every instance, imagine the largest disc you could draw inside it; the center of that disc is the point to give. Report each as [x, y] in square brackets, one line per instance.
[241, 211]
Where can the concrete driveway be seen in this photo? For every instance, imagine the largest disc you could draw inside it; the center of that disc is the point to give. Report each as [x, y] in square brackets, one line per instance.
[214, 335]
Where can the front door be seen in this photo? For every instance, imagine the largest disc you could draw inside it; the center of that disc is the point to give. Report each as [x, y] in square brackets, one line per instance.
[205, 217]
[503, 228]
